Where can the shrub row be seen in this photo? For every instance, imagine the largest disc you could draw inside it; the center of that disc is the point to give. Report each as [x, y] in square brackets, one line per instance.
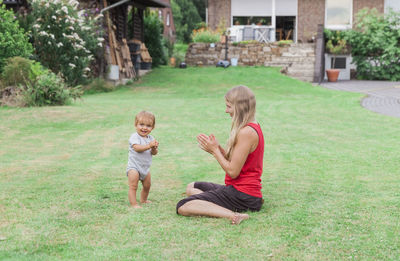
[30, 84]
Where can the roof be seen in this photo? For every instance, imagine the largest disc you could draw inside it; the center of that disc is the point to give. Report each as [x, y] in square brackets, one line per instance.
[142, 3]
[151, 3]
[12, 2]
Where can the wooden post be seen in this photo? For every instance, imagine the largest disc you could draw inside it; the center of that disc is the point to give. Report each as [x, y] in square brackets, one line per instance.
[319, 65]
[110, 40]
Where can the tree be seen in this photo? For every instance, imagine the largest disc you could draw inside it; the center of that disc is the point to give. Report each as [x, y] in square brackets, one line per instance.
[201, 8]
[153, 39]
[186, 17]
[13, 40]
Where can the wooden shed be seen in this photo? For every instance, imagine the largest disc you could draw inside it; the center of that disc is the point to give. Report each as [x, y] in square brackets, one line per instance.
[118, 52]
[117, 36]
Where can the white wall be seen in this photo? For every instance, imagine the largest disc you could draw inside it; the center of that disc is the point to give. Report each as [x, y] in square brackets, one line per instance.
[394, 4]
[252, 8]
[286, 7]
[263, 7]
[344, 73]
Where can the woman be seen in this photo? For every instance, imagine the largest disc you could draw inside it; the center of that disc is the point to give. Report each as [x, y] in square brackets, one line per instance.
[242, 163]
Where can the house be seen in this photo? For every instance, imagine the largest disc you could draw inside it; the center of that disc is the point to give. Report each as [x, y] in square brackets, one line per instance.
[288, 19]
[166, 17]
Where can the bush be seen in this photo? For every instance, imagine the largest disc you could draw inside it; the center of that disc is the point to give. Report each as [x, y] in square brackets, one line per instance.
[179, 53]
[249, 42]
[375, 45]
[66, 40]
[169, 46]
[153, 39]
[203, 35]
[99, 85]
[25, 20]
[19, 70]
[50, 89]
[28, 83]
[13, 41]
[284, 42]
[334, 36]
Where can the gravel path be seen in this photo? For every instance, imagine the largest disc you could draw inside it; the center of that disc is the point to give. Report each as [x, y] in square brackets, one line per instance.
[381, 96]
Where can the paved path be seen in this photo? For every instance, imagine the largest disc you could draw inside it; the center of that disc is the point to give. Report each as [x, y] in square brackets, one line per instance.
[382, 96]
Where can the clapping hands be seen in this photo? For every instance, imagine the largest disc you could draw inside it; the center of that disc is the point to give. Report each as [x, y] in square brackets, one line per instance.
[153, 144]
[208, 143]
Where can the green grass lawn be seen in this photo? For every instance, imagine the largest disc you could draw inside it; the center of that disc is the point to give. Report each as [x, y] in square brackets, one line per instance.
[331, 179]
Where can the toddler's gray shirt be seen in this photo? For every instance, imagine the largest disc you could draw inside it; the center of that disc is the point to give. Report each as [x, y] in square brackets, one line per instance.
[139, 161]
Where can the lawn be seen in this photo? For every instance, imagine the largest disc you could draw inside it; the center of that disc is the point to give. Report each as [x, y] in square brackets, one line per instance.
[331, 180]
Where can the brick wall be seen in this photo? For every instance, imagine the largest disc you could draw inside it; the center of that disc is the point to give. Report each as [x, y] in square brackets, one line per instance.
[360, 4]
[219, 10]
[310, 14]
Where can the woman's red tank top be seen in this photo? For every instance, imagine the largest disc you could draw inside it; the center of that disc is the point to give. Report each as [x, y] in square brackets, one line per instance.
[249, 179]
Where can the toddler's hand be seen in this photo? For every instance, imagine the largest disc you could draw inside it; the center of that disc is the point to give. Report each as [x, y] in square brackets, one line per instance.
[153, 144]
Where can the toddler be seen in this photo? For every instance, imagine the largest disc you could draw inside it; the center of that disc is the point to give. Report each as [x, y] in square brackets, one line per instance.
[142, 146]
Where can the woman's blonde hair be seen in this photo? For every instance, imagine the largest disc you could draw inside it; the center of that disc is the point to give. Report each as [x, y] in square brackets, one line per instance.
[243, 102]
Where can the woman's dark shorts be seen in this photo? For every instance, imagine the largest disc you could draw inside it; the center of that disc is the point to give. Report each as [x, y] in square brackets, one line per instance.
[224, 196]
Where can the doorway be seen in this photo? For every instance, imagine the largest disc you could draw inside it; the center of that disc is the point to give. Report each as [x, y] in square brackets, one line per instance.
[285, 28]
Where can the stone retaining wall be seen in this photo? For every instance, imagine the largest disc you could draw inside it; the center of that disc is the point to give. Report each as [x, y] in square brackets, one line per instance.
[296, 60]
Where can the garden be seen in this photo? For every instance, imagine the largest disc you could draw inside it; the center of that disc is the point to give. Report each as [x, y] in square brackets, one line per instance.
[49, 53]
[374, 45]
[330, 180]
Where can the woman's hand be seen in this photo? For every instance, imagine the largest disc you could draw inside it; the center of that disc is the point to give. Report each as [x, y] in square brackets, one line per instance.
[208, 143]
[246, 143]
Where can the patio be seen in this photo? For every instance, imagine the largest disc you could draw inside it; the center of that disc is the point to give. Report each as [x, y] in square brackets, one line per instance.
[263, 21]
[262, 34]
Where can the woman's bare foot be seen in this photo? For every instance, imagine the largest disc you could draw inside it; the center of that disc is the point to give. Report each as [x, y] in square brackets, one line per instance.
[136, 206]
[237, 218]
[146, 202]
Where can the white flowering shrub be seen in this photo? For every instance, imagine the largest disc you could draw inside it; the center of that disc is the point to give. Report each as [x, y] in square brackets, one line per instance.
[66, 39]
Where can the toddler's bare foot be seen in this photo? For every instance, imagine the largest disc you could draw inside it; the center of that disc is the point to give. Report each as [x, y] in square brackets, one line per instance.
[145, 202]
[136, 206]
[239, 218]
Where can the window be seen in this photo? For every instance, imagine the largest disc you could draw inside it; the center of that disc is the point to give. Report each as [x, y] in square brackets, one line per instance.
[249, 20]
[340, 63]
[167, 19]
[338, 14]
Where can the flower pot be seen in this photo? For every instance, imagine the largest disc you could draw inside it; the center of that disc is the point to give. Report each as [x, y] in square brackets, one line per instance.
[332, 74]
[172, 61]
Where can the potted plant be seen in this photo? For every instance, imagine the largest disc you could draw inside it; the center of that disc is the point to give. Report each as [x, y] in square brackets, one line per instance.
[340, 47]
